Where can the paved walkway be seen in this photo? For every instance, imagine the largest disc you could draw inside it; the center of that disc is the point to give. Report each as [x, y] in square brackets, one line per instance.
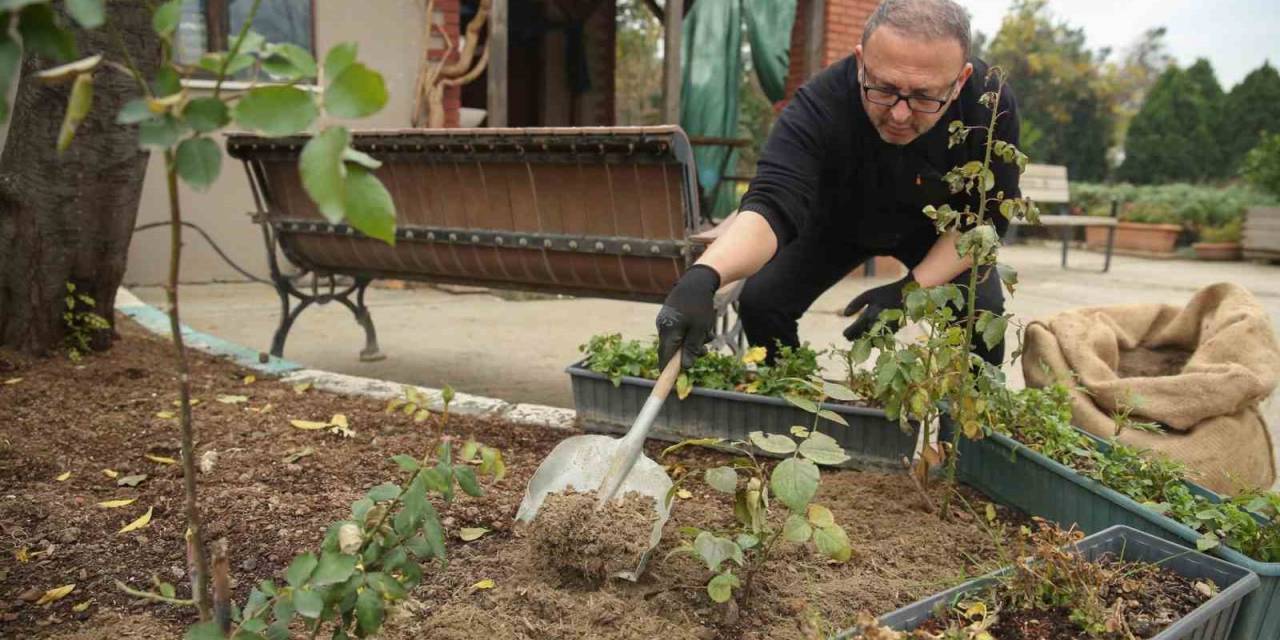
[516, 347]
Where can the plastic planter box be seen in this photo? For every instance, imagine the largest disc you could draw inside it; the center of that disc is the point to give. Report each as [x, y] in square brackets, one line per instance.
[871, 440]
[1009, 472]
[1212, 620]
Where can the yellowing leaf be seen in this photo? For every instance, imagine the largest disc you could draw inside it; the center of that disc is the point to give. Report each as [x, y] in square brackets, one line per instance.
[991, 512]
[80, 608]
[115, 504]
[13, 381]
[684, 493]
[56, 594]
[298, 454]
[110, 473]
[139, 523]
[754, 355]
[339, 420]
[167, 415]
[976, 611]
[309, 425]
[266, 408]
[64, 476]
[22, 555]
[131, 481]
[472, 533]
[161, 459]
[230, 399]
[249, 379]
[302, 387]
[194, 402]
[487, 583]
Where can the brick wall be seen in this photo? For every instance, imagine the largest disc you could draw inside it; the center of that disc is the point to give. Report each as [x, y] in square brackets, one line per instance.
[843, 21]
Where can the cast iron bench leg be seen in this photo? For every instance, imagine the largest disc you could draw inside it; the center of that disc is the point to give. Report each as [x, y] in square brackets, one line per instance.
[371, 352]
[1111, 241]
[1066, 239]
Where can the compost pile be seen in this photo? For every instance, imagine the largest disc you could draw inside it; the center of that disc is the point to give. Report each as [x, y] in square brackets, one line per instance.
[585, 545]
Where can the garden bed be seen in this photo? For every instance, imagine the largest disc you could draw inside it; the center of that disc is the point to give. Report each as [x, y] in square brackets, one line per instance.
[110, 411]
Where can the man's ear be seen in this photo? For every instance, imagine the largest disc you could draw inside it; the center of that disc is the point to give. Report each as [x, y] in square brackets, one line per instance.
[968, 71]
[857, 53]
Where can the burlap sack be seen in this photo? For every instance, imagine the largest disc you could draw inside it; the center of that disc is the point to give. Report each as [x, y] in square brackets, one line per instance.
[1132, 356]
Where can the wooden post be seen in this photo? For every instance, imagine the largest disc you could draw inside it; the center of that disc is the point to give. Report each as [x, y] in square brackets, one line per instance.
[497, 72]
[814, 37]
[671, 61]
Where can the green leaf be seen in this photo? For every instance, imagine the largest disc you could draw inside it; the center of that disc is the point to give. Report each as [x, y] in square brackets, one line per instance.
[166, 82]
[823, 449]
[333, 568]
[773, 442]
[276, 110]
[161, 132]
[212, 62]
[205, 631]
[433, 531]
[384, 491]
[89, 13]
[340, 57]
[308, 603]
[492, 463]
[993, 333]
[361, 158]
[360, 509]
[288, 61]
[833, 542]
[720, 588]
[794, 482]
[803, 403]
[165, 19]
[746, 541]
[134, 111]
[324, 175]
[369, 612]
[300, 569]
[796, 529]
[406, 463]
[713, 550]
[860, 351]
[41, 33]
[684, 386]
[206, 114]
[1206, 542]
[467, 480]
[369, 206]
[199, 161]
[469, 450]
[723, 479]
[838, 392]
[386, 586]
[821, 516]
[77, 109]
[356, 92]
[827, 414]
[1008, 275]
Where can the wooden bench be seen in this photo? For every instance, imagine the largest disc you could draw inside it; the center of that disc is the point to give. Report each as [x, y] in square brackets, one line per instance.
[1047, 184]
[595, 212]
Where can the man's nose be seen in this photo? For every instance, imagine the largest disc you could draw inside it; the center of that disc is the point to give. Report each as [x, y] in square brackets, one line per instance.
[900, 112]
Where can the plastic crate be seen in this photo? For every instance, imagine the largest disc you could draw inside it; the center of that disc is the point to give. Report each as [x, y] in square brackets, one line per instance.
[871, 439]
[1212, 620]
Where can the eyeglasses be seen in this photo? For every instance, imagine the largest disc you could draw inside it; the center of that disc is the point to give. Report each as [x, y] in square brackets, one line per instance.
[887, 97]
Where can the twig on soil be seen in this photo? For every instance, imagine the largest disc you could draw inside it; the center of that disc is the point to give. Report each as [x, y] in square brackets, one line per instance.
[147, 595]
[928, 502]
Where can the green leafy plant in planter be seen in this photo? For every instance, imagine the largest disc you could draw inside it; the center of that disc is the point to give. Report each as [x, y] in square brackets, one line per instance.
[794, 482]
[917, 382]
[1228, 232]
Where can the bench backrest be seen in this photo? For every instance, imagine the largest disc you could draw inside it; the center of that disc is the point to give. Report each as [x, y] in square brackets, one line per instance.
[1045, 183]
[590, 211]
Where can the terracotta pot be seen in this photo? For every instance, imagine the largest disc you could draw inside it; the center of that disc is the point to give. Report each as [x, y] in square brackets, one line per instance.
[1217, 250]
[1156, 239]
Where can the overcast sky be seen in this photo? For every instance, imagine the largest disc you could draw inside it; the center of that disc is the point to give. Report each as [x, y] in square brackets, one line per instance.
[1235, 35]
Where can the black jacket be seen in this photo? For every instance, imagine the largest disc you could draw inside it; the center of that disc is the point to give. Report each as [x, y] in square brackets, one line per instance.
[825, 169]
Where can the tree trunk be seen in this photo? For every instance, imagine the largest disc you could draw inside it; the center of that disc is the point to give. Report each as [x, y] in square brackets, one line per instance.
[69, 217]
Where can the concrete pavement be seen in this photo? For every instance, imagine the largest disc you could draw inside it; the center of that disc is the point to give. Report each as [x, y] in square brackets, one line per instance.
[516, 347]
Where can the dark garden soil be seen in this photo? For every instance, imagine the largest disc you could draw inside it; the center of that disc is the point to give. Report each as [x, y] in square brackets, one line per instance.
[271, 490]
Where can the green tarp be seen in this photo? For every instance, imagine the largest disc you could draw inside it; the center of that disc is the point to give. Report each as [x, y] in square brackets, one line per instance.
[711, 59]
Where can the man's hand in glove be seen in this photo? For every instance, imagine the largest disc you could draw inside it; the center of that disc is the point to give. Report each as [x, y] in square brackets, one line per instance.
[872, 303]
[688, 316]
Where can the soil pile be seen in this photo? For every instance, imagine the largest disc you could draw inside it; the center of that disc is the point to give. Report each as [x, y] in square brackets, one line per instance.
[586, 545]
[1150, 363]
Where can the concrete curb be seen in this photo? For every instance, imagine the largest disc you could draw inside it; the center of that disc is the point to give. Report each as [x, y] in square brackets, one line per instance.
[157, 322]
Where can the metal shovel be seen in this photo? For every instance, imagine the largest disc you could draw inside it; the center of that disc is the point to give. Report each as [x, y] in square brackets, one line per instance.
[610, 466]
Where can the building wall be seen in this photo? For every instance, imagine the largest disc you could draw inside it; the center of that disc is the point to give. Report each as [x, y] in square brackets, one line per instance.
[842, 30]
[390, 40]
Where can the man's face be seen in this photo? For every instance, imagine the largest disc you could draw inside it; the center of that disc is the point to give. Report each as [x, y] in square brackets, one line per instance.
[896, 63]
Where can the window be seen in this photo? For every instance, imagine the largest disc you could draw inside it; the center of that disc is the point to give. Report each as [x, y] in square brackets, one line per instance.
[211, 25]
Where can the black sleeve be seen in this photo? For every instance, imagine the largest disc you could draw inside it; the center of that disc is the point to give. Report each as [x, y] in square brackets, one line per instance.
[785, 188]
[1007, 173]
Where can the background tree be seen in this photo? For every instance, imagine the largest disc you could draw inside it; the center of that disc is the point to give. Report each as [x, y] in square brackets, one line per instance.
[67, 217]
[1062, 98]
[1253, 106]
[1213, 158]
[638, 76]
[1129, 78]
[1171, 133]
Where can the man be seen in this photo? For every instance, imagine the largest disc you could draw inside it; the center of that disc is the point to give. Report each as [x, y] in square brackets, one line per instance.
[844, 175]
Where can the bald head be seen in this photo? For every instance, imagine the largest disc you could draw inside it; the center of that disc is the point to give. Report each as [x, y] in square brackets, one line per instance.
[922, 20]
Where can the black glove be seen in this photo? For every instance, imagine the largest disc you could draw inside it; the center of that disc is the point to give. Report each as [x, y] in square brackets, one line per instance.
[688, 316]
[871, 303]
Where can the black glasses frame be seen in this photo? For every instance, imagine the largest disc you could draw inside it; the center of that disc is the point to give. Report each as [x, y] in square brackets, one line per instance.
[914, 102]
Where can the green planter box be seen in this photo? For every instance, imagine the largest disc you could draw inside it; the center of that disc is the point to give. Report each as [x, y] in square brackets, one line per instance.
[1212, 620]
[1013, 474]
[871, 439]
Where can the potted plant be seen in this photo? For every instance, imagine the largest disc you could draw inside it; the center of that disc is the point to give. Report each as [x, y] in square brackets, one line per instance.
[1118, 583]
[1219, 242]
[1145, 228]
